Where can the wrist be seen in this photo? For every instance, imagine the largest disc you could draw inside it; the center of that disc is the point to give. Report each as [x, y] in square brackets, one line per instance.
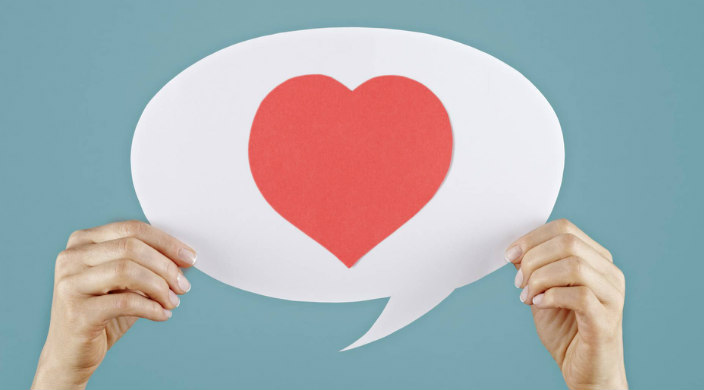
[617, 378]
[52, 373]
[614, 379]
[619, 381]
[606, 369]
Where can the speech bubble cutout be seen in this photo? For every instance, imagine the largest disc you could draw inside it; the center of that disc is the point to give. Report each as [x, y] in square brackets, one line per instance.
[192, 176]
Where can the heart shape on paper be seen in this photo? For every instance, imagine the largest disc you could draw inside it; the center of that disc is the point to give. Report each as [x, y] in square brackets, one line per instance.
[349, 167]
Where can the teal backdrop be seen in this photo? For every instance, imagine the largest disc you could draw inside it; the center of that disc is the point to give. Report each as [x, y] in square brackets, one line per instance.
[625, 79]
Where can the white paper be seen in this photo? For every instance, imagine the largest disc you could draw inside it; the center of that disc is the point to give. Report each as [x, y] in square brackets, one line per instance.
[191, 172]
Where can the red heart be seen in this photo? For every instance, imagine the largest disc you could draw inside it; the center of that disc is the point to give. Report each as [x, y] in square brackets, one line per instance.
[348, 168]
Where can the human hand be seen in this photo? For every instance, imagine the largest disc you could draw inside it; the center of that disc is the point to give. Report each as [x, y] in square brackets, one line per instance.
[106, 278]
[576, 294]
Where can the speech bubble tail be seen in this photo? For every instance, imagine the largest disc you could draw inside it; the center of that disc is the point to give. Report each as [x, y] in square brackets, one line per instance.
[400, 311]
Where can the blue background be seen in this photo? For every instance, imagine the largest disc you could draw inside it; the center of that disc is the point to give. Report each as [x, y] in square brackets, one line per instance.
[625, 79]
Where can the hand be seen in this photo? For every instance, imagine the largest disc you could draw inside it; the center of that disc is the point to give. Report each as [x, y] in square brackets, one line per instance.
[576, 295]
[106, 278]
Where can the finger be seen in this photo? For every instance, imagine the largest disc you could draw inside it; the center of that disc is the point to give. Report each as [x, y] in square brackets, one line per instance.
[76, 259]
[571, 271]
[560, 247]
[171, 247]
[107, 307]
[518, 248]
[120, 275]
[579, 299]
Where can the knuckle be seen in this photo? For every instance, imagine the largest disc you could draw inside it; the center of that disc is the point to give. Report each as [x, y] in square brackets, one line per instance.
[123, 245]
[122, 268]
[75, 236]
[170, 270]
[144, 308]
[130, 245]
[535, 280]
[63, 258]
[569, 241]
[124, 302]
[163, 289]
[548, 296]
[132, 227]
[584, 297]
[621, 278]
[533, 285]
[155, 308]
[575, 267]
[528, 262]
[563, 225]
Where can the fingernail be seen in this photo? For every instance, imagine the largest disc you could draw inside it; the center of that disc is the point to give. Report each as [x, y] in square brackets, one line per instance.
[174, 298]
[524, 295]
[187, 255]
[183, 283]
[513, 253]
[537, 299]
[518, 281]
[168, 313]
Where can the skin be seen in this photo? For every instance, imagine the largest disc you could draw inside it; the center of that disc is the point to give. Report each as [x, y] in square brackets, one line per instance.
[106, 278]
[576, 294]
[111, 275]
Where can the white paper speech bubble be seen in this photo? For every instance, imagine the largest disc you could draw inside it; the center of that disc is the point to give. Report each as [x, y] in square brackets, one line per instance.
[191, 170]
